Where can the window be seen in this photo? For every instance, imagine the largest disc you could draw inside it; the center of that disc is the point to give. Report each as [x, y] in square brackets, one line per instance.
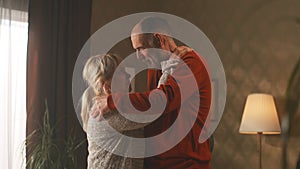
[13, 52]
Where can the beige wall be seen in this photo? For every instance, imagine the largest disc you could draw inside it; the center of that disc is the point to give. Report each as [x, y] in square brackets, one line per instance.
[258, 43]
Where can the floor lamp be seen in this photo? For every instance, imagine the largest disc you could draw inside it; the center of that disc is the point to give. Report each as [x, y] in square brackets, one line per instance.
[260, 117]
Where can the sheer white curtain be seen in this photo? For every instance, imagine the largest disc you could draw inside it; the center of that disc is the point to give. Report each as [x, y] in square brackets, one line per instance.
[13, 52]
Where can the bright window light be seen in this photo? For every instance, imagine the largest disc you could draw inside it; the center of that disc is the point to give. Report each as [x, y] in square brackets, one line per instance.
[13, 58]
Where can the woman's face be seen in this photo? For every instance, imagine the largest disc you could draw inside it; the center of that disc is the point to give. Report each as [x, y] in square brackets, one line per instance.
[121, 80]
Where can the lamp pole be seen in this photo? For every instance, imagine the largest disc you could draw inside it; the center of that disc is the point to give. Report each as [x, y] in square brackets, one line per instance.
[259, 148]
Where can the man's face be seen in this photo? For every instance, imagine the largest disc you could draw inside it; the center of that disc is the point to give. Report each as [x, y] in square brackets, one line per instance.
[144, 50]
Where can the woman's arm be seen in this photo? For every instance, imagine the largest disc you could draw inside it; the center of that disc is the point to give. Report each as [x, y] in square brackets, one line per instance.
[117, 121]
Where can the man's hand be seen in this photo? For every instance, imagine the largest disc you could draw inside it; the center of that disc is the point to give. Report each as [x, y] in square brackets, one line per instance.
[168, 65]
[99, 108]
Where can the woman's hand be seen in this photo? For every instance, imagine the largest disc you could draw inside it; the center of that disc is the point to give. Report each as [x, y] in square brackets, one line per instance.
[181, 51]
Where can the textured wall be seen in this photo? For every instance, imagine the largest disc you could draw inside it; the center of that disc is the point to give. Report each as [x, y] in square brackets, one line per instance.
[258, 43]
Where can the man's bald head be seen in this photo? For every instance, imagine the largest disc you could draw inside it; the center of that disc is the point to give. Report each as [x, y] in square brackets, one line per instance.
[152, 24]
[152, 32]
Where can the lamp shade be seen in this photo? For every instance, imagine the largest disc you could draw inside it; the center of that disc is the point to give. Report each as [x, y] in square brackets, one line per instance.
[260, 115]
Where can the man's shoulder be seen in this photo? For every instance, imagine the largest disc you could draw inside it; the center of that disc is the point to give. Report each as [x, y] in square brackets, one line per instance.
[192, 56]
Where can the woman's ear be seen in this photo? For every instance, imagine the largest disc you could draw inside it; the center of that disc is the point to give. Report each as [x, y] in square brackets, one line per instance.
[98, 88]
[106, 88]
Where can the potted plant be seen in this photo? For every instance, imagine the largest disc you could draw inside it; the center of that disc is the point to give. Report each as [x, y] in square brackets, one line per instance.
[44, 150]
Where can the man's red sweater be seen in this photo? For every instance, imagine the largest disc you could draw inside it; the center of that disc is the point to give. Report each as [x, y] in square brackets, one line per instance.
[188, 153]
